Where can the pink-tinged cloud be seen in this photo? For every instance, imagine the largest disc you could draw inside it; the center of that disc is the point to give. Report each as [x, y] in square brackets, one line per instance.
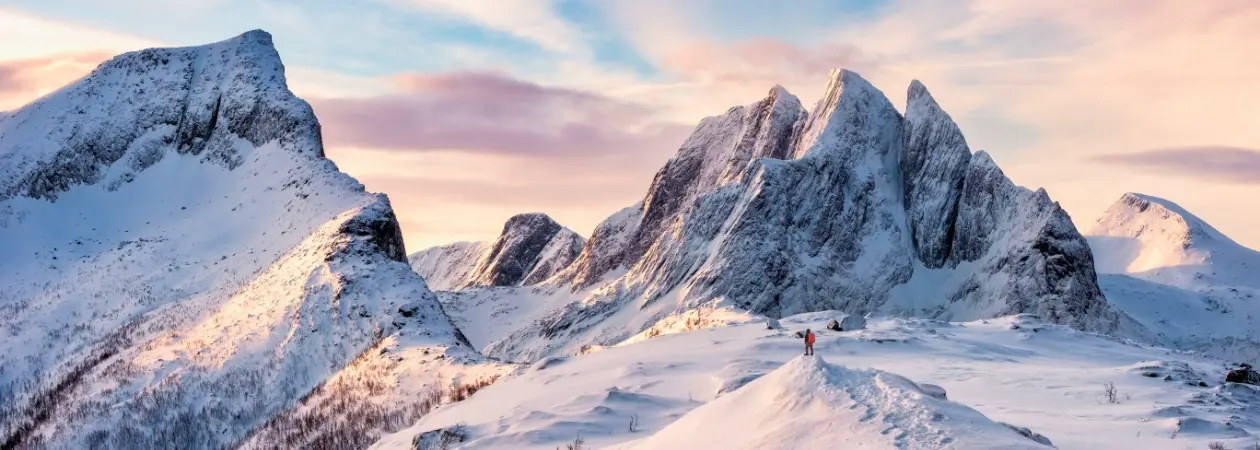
[765, 61]
[493, 114]
[1209, 163]
[24, 80]
[548, 191]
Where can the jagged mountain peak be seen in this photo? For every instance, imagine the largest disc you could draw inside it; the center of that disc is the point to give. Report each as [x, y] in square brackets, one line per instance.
[782, 99]
[525, 221]
[212, 101]
[531, 248]
[921, 104]
[851, 207]
[778, 92]
[934, 165]
[720, 150]
[918, 90]
[851, 114]
[513, 255]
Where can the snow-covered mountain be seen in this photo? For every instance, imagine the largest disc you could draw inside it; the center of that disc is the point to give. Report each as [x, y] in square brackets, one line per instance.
[1180, 276]
[531, 248]
[183, 265]
[853, 207]
[1158, 240]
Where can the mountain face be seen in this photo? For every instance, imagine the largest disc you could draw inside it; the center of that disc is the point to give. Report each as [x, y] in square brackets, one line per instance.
[716, 153]
[206, 102]
[531, 248]
[444, 268]
[1141, 234]
[851, 207]
[182, 264]
[1180, 276]
[934, 167]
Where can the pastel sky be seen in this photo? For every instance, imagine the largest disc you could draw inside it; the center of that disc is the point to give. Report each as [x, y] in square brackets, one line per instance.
[469, 111]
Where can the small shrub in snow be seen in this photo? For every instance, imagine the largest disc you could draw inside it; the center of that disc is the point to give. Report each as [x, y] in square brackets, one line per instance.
[462, 391]
[1216, 445]
[1110, 394]
[634, 423]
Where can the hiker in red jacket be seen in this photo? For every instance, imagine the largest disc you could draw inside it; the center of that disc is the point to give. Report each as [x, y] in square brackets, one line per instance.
[809, 342]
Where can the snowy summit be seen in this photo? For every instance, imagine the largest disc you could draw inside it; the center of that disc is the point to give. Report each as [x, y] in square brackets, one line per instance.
[183, 264]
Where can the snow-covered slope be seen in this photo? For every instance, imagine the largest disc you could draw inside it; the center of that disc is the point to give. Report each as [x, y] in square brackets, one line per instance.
[701, 387]
[807, 403]
[444, 268]
[1181, 277]
[1161, 241]
[851, 207]
[531, 248]
[181, 263]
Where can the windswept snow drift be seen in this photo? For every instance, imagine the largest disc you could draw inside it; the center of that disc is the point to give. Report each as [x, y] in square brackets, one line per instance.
[809, 404]
[182, 264]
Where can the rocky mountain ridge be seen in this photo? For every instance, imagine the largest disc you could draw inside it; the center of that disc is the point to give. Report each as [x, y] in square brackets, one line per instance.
[853, 207]
[183, 265]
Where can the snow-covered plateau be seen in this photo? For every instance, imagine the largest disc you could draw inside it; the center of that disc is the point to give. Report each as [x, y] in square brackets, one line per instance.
[182, 267]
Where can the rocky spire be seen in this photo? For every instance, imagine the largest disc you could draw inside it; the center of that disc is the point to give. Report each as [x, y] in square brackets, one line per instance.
[932, 167]
[717, 152]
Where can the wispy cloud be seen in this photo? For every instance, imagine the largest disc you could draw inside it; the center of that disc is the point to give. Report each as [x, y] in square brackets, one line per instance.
[763, 62]
[24, 80]
[491, 113]
[1208, 163]
[31, 37]
[533, 20]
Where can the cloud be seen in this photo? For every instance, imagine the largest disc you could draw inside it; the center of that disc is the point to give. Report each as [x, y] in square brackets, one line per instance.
[461, 152]
[29, 37]
[763, 62]
[445, 196]
[1209, 163]
[24, 80]
[533, 20]
[491, 113]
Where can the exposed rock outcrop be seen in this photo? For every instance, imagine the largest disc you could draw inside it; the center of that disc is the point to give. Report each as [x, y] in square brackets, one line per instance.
[531, 249]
